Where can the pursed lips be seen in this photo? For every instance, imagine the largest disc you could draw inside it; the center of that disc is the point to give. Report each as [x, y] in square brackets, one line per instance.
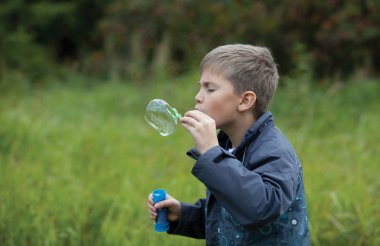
[197, 108]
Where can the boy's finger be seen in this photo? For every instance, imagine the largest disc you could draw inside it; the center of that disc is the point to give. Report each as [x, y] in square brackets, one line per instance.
[193, 114]
[150, 205]
[162, 204]
[188, 121]
[150, 198]
[196, 114]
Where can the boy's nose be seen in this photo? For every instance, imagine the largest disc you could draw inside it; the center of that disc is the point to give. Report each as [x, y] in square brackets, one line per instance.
[198, 97]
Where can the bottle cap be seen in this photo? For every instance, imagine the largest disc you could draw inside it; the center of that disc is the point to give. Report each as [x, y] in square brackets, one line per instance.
[158, 195]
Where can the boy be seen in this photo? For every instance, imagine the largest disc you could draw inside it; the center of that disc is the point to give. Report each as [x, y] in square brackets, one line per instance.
[255, 193]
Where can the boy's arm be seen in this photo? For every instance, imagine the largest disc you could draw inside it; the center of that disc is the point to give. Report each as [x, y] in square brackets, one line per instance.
[253, 197]
[192, 221]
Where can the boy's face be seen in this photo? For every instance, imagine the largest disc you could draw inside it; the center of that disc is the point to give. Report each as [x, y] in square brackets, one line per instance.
[217, 99]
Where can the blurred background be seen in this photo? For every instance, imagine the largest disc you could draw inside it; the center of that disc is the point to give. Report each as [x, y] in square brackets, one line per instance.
[138, 39]
[77, 159]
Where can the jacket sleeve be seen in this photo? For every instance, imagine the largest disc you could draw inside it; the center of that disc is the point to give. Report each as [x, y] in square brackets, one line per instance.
[254, 197]
[192, 221]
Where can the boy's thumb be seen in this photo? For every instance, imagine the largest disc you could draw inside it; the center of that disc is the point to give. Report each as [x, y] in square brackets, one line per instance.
[161, 204]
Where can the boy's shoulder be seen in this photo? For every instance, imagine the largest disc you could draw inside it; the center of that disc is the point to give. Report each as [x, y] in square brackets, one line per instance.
[272, 141]
[270, 146]
[274, 136]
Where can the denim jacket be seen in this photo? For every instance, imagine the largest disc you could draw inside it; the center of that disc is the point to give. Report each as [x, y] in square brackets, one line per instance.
[255, 195]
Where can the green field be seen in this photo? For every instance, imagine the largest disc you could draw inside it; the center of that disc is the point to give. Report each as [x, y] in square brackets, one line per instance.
[78, 162]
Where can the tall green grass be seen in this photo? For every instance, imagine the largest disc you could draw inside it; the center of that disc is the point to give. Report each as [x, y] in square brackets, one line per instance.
[78, 162]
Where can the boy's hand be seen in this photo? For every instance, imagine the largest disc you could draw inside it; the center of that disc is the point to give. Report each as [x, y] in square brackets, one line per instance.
[202, 128]
[173, 205]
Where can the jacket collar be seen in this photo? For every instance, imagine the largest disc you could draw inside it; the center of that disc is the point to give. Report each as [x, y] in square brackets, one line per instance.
[250, 135]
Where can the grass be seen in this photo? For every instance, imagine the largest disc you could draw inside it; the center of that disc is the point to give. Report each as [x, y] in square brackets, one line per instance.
[78, 162]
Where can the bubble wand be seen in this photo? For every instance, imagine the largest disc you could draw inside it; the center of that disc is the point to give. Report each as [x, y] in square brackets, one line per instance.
[162, 117]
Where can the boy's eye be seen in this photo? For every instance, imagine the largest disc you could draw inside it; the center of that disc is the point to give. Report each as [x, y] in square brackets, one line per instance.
[210, 89]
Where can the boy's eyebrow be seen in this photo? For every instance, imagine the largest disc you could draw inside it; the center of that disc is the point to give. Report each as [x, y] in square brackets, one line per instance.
[206, 83]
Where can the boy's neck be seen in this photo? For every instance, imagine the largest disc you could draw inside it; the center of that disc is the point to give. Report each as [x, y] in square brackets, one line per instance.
[237, 131]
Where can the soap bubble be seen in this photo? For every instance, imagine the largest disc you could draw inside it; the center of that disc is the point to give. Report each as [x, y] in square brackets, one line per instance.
[162, 117]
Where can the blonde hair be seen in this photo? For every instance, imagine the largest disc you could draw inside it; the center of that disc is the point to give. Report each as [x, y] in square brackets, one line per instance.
[249, 68]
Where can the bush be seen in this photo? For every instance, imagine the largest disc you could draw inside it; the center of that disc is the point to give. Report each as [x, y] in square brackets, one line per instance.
[139, 39]
[340, 36]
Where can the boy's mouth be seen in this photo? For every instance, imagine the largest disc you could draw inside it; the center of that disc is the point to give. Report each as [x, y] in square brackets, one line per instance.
[197, 108]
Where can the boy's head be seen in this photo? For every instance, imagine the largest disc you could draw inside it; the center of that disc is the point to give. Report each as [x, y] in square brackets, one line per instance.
[248, 68]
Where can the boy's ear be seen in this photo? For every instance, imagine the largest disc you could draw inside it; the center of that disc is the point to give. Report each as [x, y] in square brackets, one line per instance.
[248, 101]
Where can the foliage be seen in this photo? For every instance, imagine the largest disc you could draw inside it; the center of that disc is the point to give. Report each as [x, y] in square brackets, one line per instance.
[339, 36]
[77, 162]
[37, 34]
[137, 40]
